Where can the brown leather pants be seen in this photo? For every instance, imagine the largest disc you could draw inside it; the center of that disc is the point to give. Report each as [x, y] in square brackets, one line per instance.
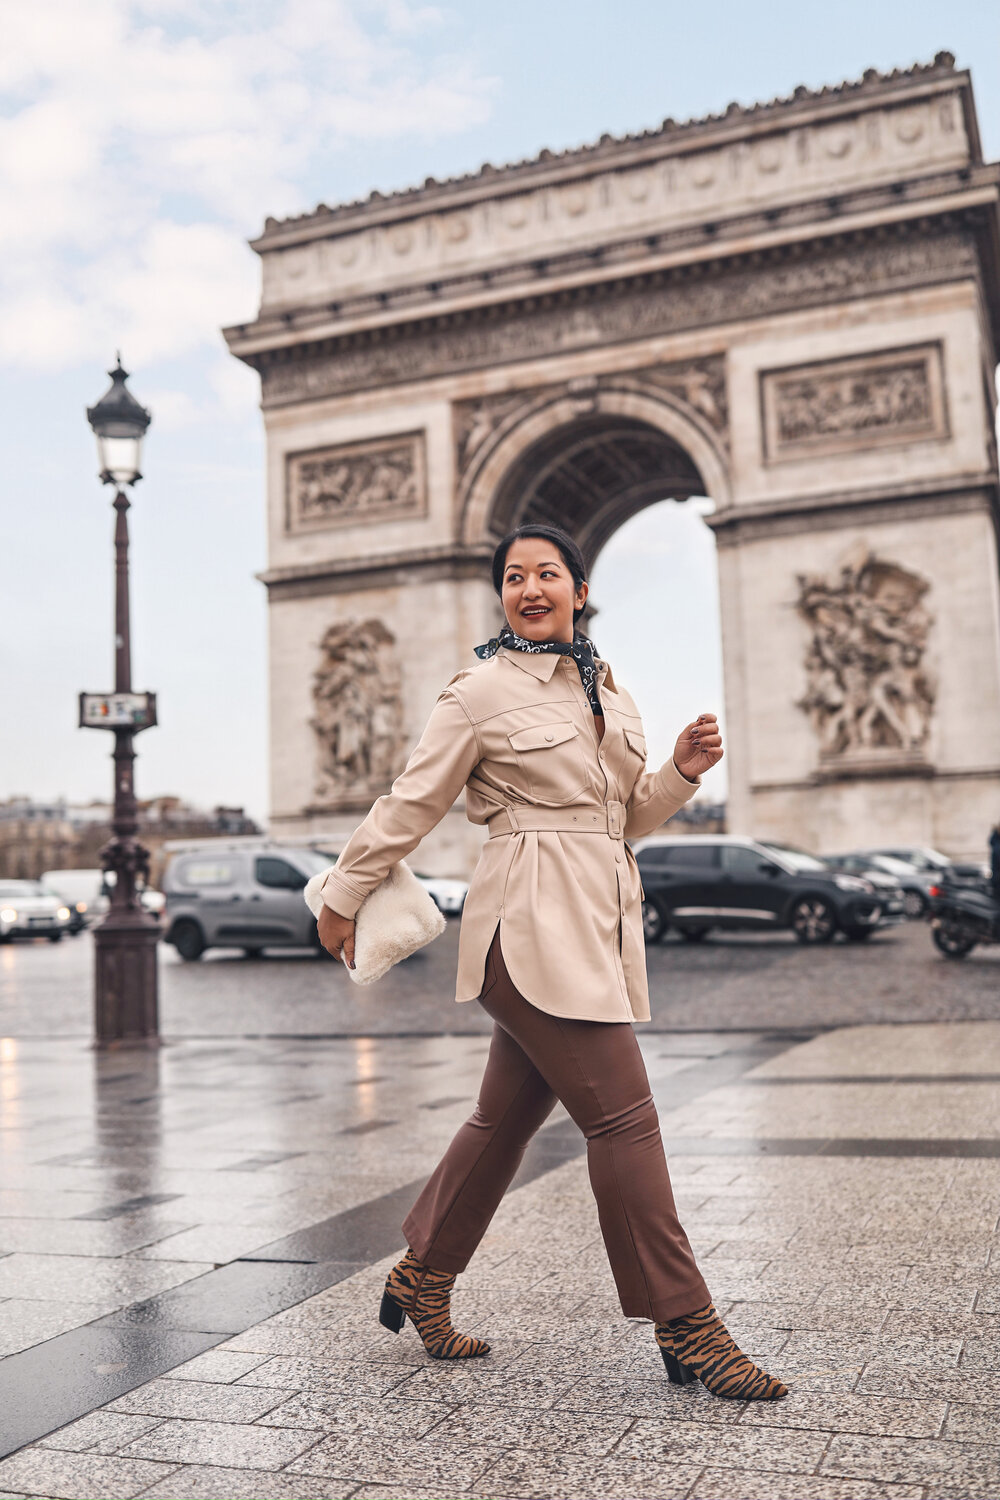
[596, 1069]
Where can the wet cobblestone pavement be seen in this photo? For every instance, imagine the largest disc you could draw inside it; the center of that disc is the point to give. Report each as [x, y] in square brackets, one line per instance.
[193, 1242]
[736, 980]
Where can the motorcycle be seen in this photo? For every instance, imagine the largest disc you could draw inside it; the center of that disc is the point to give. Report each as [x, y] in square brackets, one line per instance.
[962, 916]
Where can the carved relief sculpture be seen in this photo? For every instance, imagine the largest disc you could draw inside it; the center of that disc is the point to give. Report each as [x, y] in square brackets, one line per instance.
[869, 692]
[855, 403]
[358, 711]
[356, 482]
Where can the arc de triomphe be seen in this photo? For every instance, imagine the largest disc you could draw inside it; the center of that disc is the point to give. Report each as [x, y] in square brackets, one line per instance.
[791, 309]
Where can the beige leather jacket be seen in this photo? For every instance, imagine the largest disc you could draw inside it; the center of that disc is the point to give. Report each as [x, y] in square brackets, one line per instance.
[518, 734]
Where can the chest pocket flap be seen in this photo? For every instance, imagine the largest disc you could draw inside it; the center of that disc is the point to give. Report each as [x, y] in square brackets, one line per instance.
[542, 736]
[637, 742]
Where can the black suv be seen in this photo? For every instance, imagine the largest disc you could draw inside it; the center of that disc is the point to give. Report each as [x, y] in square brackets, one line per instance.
[697, 883]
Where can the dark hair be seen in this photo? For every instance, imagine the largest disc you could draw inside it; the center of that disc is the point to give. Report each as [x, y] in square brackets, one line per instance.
[570, 552]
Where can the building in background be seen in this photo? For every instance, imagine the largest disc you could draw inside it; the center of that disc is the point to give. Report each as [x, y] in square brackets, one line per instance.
[38, 836]
[792, 308]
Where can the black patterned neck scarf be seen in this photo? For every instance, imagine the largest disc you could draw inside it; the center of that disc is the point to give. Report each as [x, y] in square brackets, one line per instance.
[581, 649]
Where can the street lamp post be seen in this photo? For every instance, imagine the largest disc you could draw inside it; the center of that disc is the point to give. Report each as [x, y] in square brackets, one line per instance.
[125, 975]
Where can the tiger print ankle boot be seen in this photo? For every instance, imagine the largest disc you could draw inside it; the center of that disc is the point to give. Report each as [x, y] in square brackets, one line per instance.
[698, 1346]
[414, 1291]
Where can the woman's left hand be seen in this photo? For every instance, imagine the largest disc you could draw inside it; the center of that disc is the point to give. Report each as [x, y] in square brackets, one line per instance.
[699, 747]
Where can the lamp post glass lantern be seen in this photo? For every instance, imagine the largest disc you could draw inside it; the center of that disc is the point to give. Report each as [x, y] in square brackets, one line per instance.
[119, 423]
[125, 973]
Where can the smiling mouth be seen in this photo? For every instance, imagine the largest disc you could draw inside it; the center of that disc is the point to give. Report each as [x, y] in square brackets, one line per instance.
[530, 614]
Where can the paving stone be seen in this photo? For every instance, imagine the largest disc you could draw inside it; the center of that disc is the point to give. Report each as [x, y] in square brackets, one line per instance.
[973, 1424]
[78, 1476]
[193, 1482]
[222, 1365]
[848, 1413]
[333, 1414]
[231, 1445]
[51, 1277]
[354, 1377]
[972, 1467]
[744, 1484]
[205, 1400]
[743, 1448]
[647, 1398]
[214, 1243]
[25, 1322]
[99, 1432]
[499, 1428]
[571, 1476]
[378, 1461]
[944, 1385]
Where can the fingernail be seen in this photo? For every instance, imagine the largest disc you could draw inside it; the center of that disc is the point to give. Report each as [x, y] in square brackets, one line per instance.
[350, 963]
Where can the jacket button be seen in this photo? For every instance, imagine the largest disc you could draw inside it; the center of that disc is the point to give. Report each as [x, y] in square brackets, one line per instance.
[548, 736]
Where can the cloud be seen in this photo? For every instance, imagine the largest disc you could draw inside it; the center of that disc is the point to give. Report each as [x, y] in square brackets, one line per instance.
[141, 141]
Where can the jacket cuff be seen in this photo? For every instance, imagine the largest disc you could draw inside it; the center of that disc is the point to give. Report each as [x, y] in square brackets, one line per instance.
[339, 896]
[677, 785]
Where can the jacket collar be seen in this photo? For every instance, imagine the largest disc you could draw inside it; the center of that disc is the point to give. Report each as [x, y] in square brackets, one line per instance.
[542, 664]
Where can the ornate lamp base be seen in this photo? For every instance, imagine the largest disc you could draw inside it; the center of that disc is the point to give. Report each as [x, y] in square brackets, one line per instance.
[125, 980]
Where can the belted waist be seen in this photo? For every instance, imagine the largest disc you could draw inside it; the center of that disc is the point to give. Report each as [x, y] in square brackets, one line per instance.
[608, 819]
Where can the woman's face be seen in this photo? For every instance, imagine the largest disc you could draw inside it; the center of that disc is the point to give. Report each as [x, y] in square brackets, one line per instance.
[539, 595]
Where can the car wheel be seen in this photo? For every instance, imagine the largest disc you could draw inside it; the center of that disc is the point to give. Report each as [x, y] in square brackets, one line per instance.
[55, 937]
[694, 934]
[189, 940]
[252, 952]
[914, 904]
[653, 925]
[858, 934]
[953, 939]
[813, 920]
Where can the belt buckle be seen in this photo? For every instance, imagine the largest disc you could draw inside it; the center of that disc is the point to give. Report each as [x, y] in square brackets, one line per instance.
[616, 820]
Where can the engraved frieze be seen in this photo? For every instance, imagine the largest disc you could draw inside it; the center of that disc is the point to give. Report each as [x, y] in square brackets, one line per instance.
[855, 403]
[357, 711]
[596, 317]
[352, 482]
[870, 694]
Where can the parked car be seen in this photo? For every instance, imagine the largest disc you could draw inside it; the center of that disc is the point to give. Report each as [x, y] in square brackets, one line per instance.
[701, 882]
[87, 893]
[448, 895]
[239, 893]
[933, 862]
[913, 885]
[29, 909]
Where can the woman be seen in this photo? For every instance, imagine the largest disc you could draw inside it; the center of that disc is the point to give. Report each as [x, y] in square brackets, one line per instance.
[551, 754]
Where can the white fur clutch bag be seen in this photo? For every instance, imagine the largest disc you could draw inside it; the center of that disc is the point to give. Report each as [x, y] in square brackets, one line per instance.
[393, 921]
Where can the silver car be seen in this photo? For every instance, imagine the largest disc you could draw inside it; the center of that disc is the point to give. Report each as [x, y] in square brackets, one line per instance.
[28, 909]
[239, 893]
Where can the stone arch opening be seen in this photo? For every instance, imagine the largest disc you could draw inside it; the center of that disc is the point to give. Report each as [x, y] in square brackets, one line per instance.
[589, 459]
[592, 477]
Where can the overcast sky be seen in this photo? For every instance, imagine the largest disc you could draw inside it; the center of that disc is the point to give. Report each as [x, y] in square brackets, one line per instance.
[141, 143]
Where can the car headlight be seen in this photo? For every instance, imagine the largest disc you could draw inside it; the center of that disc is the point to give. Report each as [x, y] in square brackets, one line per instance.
[63, 913]
[81, 907]
[852, 883]
[8, 914]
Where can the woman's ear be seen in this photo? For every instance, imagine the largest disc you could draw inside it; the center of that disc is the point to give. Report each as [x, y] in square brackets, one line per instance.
[580, 598]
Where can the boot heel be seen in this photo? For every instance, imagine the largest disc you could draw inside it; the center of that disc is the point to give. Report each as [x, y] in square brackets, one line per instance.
[679, 1374]
[391, 1314]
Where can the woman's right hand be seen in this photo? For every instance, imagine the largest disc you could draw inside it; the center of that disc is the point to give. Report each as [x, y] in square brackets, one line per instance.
[336, 933]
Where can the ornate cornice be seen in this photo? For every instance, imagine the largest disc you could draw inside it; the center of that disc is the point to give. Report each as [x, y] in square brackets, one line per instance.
[856, 508]
[619, 312]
